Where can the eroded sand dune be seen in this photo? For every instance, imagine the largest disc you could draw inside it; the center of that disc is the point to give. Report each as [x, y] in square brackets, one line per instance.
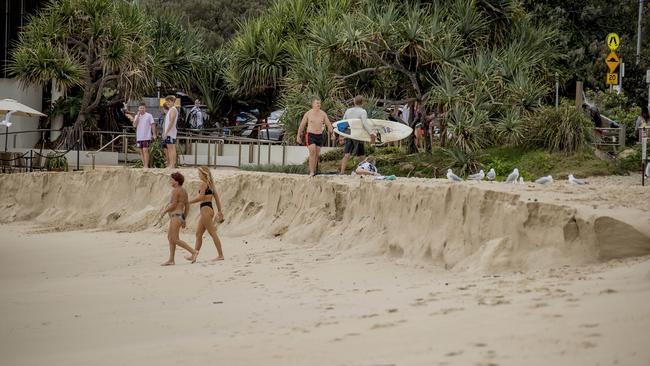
[464, 227]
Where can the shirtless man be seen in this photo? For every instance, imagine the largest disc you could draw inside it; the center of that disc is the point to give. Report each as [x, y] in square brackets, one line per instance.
[177, 209]
[314, 120]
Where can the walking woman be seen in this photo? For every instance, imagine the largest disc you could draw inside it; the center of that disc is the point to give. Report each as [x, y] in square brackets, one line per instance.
[207, 192]
[177, 209]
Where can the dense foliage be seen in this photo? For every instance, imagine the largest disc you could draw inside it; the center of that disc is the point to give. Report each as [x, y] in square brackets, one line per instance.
[104, 48]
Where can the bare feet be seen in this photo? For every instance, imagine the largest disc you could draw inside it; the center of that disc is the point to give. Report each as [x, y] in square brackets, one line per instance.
[194, 256]
[168, 263]
[189, 257]
[219, 258]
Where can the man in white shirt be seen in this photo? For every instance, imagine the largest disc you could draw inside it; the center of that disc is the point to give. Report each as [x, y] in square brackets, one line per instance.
[354, 146]
[145, 130]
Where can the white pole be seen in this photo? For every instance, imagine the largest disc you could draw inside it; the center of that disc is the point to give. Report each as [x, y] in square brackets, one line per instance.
[638, 33]
[647, 80]
[557, 90]
[621, 74]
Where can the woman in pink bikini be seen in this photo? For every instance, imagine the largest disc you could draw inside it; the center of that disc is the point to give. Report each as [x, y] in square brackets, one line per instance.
[177, 209]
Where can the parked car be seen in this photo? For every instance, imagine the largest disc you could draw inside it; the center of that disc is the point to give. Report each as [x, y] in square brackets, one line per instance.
[275, 130]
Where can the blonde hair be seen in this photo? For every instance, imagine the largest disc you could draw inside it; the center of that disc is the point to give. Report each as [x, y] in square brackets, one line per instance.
[205, 171]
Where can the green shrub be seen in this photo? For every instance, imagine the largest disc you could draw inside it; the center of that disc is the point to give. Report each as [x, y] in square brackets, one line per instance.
[632, 161]
[332, 155]
[157, 158]
[466, 128]
[510, 129]
[56, 161]
[564, 129]
[463, 162]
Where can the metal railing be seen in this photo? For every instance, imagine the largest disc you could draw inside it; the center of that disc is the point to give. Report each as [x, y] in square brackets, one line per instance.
[610, 136]
[215, 147]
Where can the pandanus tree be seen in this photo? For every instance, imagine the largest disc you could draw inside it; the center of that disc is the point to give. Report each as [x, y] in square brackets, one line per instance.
[479, 62]
[99, 44]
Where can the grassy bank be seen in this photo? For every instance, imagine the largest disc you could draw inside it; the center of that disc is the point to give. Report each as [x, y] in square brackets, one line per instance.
[531, 163]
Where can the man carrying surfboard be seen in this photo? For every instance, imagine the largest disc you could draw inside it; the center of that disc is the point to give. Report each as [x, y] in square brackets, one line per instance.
[354, 146]
[314, 120]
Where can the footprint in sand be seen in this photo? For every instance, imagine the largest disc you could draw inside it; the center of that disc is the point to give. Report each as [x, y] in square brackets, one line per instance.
[493, 301]
[446, 311]
[453, 353]
[592, 325]
[587, 344]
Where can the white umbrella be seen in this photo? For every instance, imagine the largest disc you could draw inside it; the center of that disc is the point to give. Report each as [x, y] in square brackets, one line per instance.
[12, 108]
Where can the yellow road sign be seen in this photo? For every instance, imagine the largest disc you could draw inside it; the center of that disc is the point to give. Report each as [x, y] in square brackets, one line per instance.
[612, 79]
[612, 61]
[613, 41]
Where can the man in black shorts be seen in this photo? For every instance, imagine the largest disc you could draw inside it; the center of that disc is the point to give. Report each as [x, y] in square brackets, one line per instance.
[314, 120]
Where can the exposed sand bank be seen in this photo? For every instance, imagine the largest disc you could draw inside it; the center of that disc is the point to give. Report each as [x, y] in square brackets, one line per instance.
[469, 227]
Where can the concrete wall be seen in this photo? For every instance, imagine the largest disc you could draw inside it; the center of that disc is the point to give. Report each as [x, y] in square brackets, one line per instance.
[250, 154]
[32, 97]
[230, 156]
[102, 158]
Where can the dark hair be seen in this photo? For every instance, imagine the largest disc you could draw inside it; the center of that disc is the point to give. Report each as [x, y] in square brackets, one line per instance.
[644, 109]
[178, 177]
[142, 104]
[358, 100]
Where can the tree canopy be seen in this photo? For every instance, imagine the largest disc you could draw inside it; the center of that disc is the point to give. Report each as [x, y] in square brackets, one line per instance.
[479, 61]
[98, 45]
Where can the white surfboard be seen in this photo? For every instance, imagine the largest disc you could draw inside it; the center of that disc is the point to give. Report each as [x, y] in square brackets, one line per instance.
[389, 130]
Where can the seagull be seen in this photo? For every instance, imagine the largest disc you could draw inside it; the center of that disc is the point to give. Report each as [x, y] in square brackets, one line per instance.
[453, 177]
[512, 178]
[544, 180]
[478, 176]
[521, 180]
[5, 123]
[574, 180]
[491, 174]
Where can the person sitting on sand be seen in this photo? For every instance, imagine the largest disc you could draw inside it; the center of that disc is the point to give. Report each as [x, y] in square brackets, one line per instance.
[177, 209]
[207, 192]
[314, 120]
[367, 167]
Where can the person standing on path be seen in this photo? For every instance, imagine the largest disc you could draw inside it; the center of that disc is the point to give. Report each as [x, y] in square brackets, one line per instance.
[170, 131]
[145, 131]
[314, 120]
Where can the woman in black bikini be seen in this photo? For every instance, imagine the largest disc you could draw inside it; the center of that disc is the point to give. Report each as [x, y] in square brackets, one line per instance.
[207, 191]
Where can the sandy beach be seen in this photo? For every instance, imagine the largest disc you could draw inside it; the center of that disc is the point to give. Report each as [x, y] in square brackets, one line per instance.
[329, 271]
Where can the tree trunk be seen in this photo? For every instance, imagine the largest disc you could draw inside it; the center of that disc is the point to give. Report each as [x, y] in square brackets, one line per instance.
[411, 147]
[81, 117]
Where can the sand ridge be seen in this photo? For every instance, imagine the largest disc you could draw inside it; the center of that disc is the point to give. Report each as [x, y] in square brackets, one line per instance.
[478, 227]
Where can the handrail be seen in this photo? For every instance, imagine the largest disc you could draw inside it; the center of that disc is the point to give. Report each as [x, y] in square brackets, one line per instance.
[106, 145]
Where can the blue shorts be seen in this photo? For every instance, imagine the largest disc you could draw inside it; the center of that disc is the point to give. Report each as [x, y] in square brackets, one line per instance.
[169, 141]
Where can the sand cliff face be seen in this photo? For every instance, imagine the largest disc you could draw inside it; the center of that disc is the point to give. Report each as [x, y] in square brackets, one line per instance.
[466, 227]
